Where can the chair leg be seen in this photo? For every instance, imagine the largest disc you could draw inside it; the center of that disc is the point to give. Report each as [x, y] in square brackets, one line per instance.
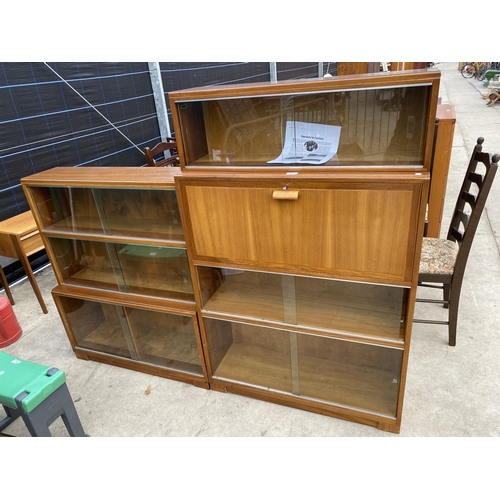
[453, 316]
[446, 294]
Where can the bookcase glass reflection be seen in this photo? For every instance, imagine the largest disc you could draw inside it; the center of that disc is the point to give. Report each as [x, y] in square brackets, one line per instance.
[357, 309]
[380, 126]
[139, 213]
[160, 338]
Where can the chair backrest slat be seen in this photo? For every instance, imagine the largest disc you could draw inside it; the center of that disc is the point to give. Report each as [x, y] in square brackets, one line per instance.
[477, 179]
[456, 235]
[169, 145]
[469, 198]
[464, 218]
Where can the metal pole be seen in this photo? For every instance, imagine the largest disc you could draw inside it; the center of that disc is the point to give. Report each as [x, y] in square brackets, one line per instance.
[273, 72]
[159, 96]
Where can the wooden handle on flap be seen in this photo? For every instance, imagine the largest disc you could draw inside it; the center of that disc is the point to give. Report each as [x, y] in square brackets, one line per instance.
[284, 194]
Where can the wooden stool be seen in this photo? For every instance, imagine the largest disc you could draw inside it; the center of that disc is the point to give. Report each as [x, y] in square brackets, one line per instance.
[38, 394]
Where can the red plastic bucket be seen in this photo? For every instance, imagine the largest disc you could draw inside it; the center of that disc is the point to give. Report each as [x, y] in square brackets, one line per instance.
[10, 330]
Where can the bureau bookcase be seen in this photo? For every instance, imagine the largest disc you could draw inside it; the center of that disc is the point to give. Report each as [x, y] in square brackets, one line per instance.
[303, 206]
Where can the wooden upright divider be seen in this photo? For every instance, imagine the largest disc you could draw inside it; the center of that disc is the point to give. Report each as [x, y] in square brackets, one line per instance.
[445, 129]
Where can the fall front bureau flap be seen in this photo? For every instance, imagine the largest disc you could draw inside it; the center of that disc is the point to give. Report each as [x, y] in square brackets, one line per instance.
[350, 227]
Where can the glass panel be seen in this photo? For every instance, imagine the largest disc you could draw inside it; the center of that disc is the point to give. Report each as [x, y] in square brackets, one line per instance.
[364, 127]
[96, 326]
[159, 271]
[165, 339]
[348, 374]
[356, 308]
[140, 213]
[249, 354]
[67, 209]
[158, 338]
[86, 263]
[359, 308]
[141, 269]
[152, 214]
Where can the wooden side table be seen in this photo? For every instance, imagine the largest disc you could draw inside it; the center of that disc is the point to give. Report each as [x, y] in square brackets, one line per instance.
[19, 238]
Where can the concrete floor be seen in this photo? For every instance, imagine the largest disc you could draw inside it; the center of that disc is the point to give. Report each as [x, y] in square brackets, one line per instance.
[450, 391]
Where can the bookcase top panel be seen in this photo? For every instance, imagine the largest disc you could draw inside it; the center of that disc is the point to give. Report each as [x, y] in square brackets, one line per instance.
[115, 177]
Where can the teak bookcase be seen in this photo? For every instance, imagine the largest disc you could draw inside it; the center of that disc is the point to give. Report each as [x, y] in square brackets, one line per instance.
[115, 239]
[305, 266]
[280, 261]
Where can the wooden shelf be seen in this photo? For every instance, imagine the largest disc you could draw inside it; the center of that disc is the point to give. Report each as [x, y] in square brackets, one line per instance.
[174, 305]
[340, 161]
[119, 230]
[331, 227]
[149, 284]
[353, 386]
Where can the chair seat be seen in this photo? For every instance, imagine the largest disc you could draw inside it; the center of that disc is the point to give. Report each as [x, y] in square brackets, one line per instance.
[438, 256]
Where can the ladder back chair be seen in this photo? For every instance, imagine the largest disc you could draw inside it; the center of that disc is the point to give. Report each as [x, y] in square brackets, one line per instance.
[443, 261]
[169, 159]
